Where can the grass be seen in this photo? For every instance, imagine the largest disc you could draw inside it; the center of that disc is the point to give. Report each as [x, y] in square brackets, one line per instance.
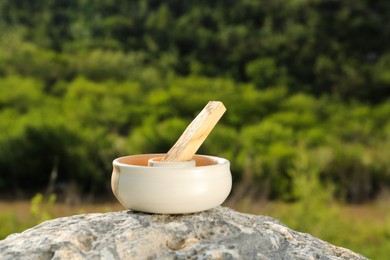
[362, 228]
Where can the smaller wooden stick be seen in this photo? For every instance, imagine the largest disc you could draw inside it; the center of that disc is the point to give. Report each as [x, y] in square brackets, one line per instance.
[195, 134]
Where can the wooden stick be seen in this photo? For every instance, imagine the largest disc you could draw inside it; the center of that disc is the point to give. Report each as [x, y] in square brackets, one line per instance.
[196, 132]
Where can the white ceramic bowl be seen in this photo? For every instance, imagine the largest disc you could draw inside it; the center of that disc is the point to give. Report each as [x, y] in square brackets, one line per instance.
[171, 189]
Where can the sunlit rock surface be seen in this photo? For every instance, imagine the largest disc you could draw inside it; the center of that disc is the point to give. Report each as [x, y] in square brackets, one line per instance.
[220, 233]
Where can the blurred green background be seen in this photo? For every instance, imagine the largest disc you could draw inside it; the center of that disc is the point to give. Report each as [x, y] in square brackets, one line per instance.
[306, 84]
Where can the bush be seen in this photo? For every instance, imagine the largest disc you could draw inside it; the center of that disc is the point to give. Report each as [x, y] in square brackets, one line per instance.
[86, 124]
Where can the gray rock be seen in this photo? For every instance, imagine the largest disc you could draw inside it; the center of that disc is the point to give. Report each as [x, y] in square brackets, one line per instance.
[220, 233]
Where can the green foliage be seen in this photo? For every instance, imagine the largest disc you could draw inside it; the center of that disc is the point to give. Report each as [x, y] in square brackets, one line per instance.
[10, 224]
[320, 47]
[315, 203]
[101, 65]
[268, 153]
[84, 124]
[25, 58]
[83, 83]
[40, 210]
[40, 207]
[315, 212]
[264, 72]
[20, 94]
[155, 137]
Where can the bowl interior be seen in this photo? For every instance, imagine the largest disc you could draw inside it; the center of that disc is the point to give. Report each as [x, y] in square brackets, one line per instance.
[142, 159]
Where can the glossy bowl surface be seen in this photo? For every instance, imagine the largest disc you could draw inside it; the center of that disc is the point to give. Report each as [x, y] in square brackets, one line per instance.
[170, 190]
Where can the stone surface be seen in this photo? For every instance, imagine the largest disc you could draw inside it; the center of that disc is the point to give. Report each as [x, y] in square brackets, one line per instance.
[220, 233]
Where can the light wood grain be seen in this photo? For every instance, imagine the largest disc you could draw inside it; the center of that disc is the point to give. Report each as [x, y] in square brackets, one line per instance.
[196, 132]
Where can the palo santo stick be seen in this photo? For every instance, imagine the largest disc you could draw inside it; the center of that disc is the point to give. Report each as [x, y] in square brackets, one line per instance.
[195, 134]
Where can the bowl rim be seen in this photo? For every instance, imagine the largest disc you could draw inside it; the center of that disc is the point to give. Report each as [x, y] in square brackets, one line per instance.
[219, 161]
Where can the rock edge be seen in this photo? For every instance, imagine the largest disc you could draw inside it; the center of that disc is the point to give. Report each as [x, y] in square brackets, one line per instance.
[220, 233]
